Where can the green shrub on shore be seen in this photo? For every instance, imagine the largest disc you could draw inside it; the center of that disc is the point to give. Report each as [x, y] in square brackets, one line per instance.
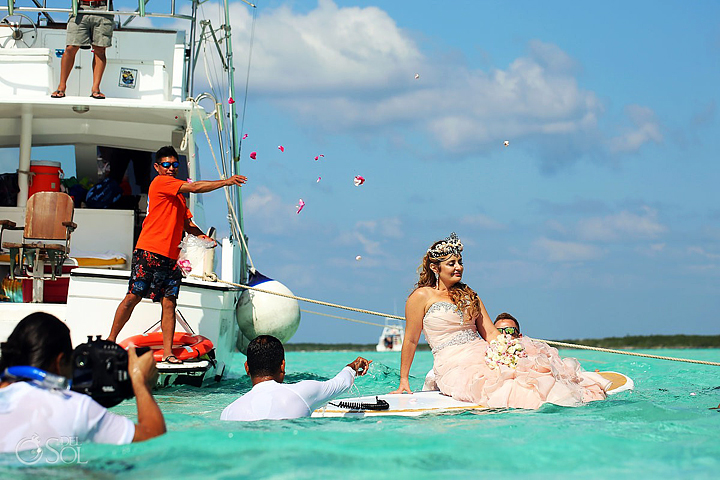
[652, 341]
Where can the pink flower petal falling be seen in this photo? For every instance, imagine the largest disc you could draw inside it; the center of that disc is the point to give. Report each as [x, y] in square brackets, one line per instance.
[318, 180]
[358, 180]
[231, 101]
[300, 205]
[245, 136]
[253, 155]
[316, 158]
[281, 148]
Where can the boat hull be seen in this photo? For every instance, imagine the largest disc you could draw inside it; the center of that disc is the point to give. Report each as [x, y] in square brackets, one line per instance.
[204, 308]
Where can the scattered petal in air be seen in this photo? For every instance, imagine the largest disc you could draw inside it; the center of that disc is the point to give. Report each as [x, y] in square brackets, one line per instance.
[245, 136]
[231, 101]
[253, 155]
[318, 180]
[318, 157]
[281, 148]
[358, 180]
[417, 75]
[300, 205]
[506, 143]
[358, 258]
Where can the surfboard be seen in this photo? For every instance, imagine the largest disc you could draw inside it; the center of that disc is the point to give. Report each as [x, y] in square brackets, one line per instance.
[430, 402]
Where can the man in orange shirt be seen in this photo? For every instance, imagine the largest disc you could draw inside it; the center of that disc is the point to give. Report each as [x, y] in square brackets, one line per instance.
[155, 273]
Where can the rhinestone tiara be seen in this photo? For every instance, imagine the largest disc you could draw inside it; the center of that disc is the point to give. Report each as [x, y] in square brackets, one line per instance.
[450, 246]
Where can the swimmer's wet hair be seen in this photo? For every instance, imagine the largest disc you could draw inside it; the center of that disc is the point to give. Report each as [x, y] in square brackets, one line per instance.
[265, 354]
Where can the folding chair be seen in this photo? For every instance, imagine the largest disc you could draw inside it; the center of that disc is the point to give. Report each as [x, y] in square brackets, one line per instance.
[48, 218]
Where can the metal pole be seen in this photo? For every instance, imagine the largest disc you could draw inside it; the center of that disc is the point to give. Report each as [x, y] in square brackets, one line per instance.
[189, 82]
[26, 118]
[235, 163]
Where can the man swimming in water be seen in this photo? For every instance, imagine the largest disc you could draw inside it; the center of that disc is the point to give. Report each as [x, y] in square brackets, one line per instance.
[271, 399]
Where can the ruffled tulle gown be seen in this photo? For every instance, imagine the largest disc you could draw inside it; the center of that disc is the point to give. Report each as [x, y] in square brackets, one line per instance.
[540, 377]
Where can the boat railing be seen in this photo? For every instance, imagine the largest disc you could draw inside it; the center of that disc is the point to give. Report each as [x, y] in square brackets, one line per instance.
[141, 11]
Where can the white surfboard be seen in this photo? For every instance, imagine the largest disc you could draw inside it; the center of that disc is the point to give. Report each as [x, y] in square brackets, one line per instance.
[431, 402]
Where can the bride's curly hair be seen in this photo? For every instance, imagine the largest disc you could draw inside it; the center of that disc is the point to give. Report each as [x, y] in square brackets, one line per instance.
[464, 297]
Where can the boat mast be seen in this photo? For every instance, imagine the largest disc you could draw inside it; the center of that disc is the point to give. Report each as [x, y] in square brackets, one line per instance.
[236, 193]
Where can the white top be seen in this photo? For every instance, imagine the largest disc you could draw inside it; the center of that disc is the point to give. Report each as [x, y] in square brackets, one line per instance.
[271, 400]
[33, 416]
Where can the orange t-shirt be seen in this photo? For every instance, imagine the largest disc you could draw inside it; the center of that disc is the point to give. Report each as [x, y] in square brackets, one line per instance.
[164, 224]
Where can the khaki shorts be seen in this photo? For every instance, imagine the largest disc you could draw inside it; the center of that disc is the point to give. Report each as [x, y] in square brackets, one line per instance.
[88, 29]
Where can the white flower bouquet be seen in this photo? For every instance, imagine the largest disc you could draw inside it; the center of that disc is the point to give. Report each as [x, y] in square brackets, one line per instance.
[504, 350]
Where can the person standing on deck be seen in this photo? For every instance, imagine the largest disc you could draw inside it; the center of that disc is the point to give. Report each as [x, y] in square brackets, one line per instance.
[155, 273]
[91, 27]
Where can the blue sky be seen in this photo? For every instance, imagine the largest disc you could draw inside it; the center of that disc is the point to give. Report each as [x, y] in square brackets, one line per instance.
[601, 218]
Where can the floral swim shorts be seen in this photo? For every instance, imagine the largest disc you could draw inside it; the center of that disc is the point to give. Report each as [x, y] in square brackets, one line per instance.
[154, 276]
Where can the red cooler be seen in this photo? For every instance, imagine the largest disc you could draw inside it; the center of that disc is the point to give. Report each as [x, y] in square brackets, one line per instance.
[45, 176]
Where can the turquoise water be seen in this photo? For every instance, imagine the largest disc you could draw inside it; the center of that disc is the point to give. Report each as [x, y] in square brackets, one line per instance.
[661, 430]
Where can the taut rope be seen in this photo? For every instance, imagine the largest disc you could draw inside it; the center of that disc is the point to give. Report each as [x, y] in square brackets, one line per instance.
[622, 352]
[213, 278]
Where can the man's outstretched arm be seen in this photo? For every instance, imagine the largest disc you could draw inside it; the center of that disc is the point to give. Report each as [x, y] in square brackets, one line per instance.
[317, 393]
[204, 186]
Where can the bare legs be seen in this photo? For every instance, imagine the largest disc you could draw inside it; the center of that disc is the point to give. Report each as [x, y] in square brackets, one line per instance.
[68, 62]
[168, 324]
[66, 65]
[98, 64]
[167, 321]
[122, 314]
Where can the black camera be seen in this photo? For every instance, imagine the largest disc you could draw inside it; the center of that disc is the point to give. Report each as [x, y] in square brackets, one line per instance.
[100, 370]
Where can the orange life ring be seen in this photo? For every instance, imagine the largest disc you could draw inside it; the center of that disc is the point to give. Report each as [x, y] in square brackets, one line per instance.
[185, 345]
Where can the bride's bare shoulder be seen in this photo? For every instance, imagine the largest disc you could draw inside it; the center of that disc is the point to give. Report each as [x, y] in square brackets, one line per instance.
[422, 295]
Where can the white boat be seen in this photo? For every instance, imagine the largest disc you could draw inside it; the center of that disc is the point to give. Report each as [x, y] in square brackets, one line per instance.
[391, 338]
[150, 103]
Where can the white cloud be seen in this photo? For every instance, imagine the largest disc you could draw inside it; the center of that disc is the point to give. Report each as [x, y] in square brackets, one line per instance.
[268, 213]
[621, 225]
[651, 250]
[558, 251]
[373, 235]
[482, 221]
[694, 250]
[349, 69]
[385, 227]
[326, 49]
[646, 129]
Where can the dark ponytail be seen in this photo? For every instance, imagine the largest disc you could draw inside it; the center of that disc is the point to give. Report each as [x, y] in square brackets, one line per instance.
[36, 341]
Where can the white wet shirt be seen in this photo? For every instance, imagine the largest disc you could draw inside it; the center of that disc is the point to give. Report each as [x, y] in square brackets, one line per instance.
[31, 416]
[271, 400]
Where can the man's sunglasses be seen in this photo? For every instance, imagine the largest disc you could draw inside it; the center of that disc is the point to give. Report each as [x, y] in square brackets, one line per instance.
[170, 164]
[509, 330]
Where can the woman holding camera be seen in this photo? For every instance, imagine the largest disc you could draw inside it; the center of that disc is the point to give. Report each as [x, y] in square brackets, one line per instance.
[39, 406]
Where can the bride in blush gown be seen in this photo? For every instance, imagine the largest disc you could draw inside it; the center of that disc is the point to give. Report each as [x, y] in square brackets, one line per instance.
[469, 364]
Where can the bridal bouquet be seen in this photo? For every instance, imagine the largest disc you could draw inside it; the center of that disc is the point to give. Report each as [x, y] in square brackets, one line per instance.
[504, 350]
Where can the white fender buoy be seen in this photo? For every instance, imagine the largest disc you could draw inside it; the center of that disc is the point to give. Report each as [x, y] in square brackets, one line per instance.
[260, 313]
